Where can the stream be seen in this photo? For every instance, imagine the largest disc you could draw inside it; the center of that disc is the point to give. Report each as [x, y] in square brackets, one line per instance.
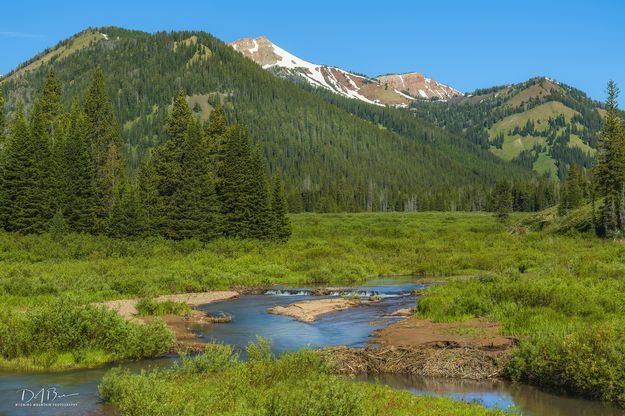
[352, 327]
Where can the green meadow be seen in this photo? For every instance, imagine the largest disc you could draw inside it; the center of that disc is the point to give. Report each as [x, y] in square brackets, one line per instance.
[560, 294]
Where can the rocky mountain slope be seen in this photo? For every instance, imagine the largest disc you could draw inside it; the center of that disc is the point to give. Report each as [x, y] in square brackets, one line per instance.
[392, 90]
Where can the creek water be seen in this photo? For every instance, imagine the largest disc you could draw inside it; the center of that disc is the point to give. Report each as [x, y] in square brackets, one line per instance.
[352, 327]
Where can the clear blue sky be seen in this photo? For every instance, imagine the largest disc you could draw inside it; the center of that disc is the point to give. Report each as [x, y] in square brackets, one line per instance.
[467, 44]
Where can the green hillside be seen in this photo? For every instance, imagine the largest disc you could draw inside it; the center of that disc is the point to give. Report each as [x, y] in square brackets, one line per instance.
[332, 156]
[539, 124]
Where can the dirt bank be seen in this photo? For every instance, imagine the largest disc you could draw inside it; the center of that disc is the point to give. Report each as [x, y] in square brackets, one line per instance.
[310, 310]
[471, 350]
[127, 307]
[412, 332]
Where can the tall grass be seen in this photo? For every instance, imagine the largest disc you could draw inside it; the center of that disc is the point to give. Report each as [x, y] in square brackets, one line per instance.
[295, 384]
[60, 334]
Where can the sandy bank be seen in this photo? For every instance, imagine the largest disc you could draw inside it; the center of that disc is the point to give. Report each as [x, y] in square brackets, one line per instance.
[310, 310]
[127, 307]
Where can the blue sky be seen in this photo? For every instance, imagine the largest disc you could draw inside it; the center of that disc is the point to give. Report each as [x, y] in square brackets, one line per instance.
[467, 44]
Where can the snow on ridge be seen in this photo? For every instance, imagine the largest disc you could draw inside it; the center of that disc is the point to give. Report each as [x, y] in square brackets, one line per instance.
[255, 48]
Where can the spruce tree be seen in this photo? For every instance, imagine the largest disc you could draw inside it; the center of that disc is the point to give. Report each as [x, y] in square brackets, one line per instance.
[103, 135]
[126, 218]
[51, 102]
[151, 201]
[195, 205]
[572, 191]
[609, 169]
[260, 218]
[502, 200]
[215, 135]
[166, 166]
[24, 192]
[281, 224]
[79, 187]
[235, 184]
[54, 123]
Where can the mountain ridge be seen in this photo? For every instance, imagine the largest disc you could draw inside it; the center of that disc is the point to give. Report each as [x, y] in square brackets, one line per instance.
[329, 156]
[372, 90]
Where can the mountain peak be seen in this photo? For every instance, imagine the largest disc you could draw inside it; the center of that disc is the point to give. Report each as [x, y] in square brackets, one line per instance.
[394, 90]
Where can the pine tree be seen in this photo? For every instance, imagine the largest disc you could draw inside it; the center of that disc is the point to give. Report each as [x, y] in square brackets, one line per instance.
[216, 130]
[166, 166]
[151, 201]
[609, 169]
[79, 187]
[54, 122]
[24, 195]
[195, 205]
[103, 135]
[126, 218]
[572, 191]
[260, 218]
[51, 102]
[235, 184]
[281, 224]
[502, 200]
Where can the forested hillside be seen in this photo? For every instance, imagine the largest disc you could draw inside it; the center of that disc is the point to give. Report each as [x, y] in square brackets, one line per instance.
[540, 124]
[333, 154]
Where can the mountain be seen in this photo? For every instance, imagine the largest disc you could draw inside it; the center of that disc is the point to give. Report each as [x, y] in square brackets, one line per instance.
[333, 152]
[392, 90]
[540, 124]
[417, 85]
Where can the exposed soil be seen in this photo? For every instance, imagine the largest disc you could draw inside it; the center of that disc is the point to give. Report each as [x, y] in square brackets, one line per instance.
[472, 350]
[186, 340]
[127, 307]
[403, 312]
[413, 332]
[310, 310]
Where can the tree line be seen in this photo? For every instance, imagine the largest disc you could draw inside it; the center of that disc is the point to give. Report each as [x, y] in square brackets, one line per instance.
[603, 185]
[63, 171]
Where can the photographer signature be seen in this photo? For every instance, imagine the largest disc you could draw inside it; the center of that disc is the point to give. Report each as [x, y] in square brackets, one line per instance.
[49, 396]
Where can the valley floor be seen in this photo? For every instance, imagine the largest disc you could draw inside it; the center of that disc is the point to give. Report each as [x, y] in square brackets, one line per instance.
[561, 296]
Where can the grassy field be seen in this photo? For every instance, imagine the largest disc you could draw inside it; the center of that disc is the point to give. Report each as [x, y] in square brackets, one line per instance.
[562, 295]
[295, 384]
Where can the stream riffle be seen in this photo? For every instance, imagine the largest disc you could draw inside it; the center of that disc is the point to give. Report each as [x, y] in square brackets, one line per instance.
[352, 327]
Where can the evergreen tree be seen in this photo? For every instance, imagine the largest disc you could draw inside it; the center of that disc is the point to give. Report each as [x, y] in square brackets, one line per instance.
[54, 123]
[259, 220]
[572, 191]
[79, 187]
[281, 224]
[216, 130]
[147, 189]
[166, 174]
[195, 205]
[609, 169]
[103, 135]
[126, 218]
[25, 194]
[2, 124]
[502, 200]
[235, 184]
[51, 103]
